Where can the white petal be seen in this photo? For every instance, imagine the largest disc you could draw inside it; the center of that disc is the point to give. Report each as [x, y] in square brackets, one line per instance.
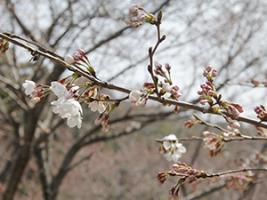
[166, 145]
[74, 107]
[70, 109]
[135, 95]
[181, 148]
[101, 107]
[59, 89]
[74, 121]
[170, 137]
[29, 87]
[168, 156]
[93, 106]
[175, 157]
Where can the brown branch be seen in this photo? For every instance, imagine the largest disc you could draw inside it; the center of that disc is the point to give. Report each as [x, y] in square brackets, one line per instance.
[183, 104]
[229, 139]
[234, 171]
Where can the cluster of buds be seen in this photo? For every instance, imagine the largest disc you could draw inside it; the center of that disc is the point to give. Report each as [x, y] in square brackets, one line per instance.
[213, 142]
[233, 128]
[209, 95]
[163, 71]
[171, 148]
[261, 112]
[138, 16]
[233, 110]
[80, 59]
[182, 169]
[164, 83]
[184, 172]
[210, 73]
[4, 45]
[175, 92]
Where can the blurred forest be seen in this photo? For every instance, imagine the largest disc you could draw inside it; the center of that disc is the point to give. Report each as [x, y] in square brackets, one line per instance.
[42, 158]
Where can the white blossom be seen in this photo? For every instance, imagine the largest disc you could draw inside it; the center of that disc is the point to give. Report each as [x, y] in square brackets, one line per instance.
[97, 106]
[69, 109]
[59, 89]
[172, 149]
[29, 87]
[75, 120]
[137, 97]
[66, 106]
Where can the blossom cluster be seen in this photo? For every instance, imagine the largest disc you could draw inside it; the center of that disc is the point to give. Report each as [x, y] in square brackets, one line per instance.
[209, 95]
[66, 105]
[70, 94]
[166, 87]
[184, 172]
[80, 59]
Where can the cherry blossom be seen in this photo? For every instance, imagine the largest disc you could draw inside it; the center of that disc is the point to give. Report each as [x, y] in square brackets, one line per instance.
[29, 87]
[66, 106]
[97, 106]
[171, 148]
[69, 109]
[59, 89]
[137, 97]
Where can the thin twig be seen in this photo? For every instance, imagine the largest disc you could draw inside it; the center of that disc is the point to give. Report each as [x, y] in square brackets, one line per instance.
[85, 74]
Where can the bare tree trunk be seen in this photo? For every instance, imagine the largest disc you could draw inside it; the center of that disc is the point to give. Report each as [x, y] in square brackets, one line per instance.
[24, 154]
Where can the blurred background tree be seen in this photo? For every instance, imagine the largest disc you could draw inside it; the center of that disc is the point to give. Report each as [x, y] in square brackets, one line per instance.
[43, 159]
